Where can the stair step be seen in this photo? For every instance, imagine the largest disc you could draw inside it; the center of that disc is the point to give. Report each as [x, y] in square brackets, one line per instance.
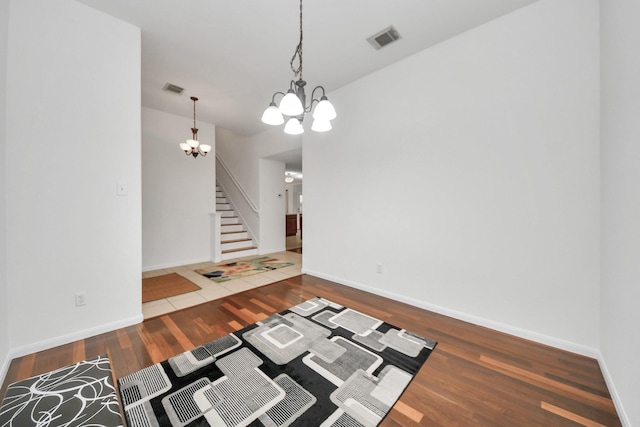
[238, 254]
[237, 240]
[233, 235]
[235, 244]
[230, 220]
[239, 249]
[232, 227]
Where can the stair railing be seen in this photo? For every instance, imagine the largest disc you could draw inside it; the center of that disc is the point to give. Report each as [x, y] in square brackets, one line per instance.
[237, 184]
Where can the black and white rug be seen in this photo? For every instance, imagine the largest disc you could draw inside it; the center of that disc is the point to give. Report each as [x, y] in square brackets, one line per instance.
[316, 364]
[73, 396]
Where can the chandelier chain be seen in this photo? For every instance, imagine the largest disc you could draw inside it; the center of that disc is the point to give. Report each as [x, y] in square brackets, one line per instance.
[298, 52]
[194, 113]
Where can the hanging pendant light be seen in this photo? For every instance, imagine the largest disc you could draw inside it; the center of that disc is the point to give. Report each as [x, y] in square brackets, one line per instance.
[293, 102]
[192, 146]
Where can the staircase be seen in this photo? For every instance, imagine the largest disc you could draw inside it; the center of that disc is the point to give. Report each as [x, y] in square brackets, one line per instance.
[234, 239]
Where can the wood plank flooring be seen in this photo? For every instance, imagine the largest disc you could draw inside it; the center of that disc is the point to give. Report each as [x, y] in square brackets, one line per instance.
[475, 376]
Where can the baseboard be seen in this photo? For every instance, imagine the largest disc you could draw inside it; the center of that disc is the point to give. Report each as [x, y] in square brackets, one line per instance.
[624, 419]
[5, 368]
[65, 339]
[174, 264]
[487, 323]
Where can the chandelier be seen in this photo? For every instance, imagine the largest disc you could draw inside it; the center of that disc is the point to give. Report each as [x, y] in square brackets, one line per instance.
[293, 103]
[192, 146]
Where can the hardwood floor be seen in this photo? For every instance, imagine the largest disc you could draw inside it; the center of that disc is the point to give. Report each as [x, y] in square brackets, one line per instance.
[475, 376]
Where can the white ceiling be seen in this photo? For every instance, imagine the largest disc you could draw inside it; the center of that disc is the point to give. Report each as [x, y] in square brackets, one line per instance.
[234, 54]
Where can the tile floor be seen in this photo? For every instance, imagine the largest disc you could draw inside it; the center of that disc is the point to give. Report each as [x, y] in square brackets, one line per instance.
[212, 290]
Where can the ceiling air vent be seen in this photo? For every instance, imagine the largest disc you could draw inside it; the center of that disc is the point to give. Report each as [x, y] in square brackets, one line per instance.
[173, 88]
[384, 37]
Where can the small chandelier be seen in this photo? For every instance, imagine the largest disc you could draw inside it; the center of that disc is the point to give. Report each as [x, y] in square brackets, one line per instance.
[293, 103]
[192, 146]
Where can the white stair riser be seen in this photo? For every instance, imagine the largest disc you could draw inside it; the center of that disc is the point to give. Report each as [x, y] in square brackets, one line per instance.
[232, 229]
[229, 220]
[235, 236]
[236, 245]
[239, 254]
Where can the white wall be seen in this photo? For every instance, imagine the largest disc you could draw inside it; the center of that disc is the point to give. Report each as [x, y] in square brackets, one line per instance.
[178, 192]
[73, 133]
[620, 316]
[4, 303]
[242, 155]
[470, 172]
[273, 206]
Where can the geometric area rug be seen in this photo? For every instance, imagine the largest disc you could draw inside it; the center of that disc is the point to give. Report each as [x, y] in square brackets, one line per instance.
[316, 364]
[235, 270]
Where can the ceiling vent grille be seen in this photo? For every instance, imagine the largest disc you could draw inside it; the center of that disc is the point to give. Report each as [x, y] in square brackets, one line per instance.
[384, 37]
[173, 88]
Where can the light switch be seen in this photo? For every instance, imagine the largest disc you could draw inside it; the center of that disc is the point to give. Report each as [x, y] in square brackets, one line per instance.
[122, 189]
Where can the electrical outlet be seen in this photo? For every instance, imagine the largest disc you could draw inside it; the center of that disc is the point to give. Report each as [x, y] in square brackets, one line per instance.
[81, 299]
[379, 268]
[121, 189]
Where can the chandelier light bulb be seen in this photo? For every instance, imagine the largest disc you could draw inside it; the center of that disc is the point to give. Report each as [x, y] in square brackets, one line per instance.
[293, 127]
[272, 116]
[324, 110]
[320, 125]
[291, 105]
[205, 148]
[193, 143]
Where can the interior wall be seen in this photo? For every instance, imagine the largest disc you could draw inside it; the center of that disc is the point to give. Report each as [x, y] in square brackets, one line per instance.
[469, 174]
[242, 155]
[178, 191]
[273, 207]
[620, 294]
[4, 302]
[73, 138]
